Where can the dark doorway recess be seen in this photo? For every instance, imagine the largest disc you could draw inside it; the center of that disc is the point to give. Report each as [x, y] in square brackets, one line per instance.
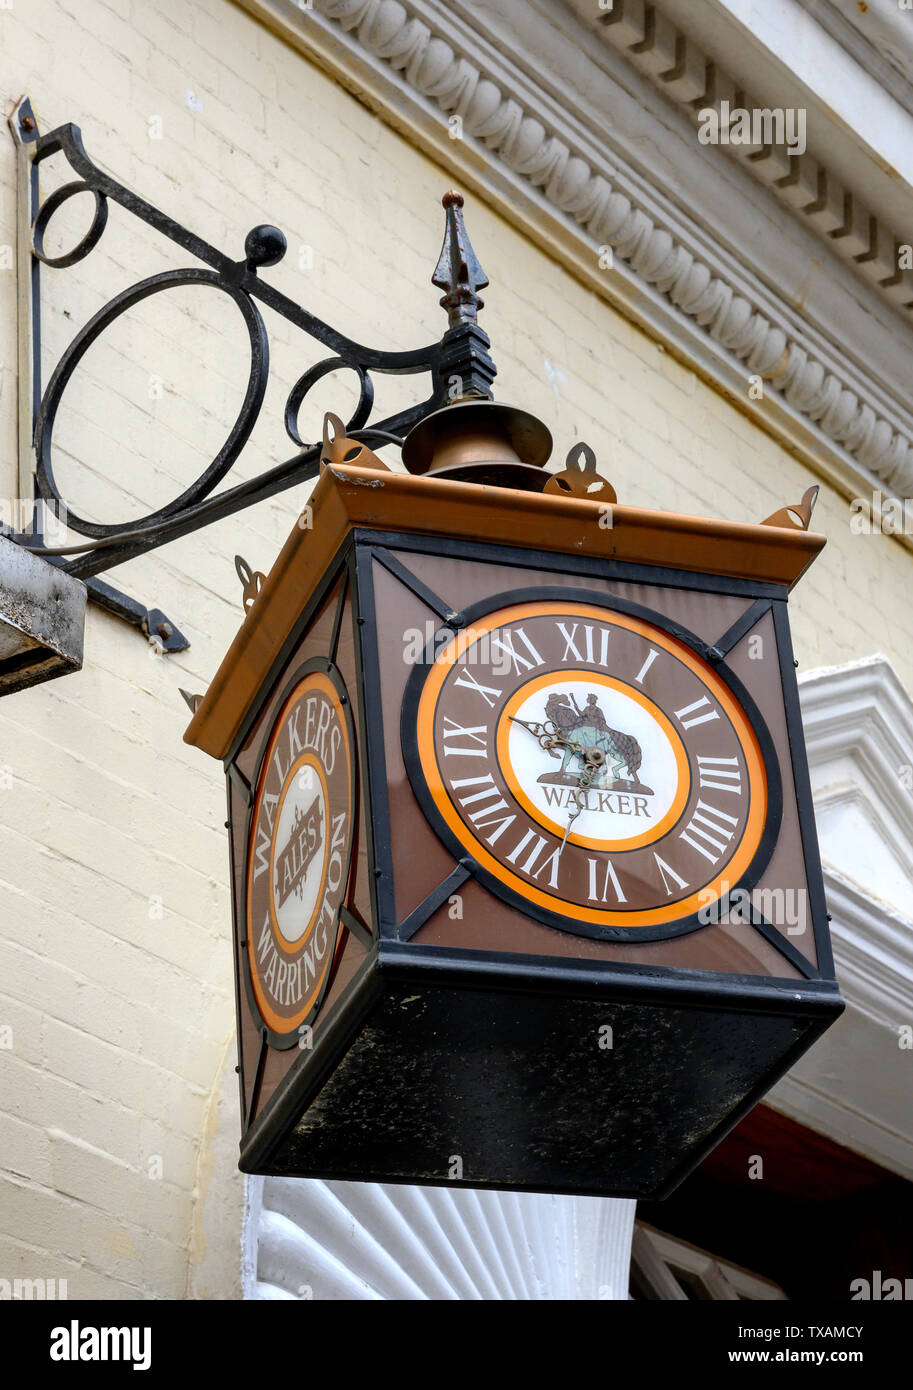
[819, 1218]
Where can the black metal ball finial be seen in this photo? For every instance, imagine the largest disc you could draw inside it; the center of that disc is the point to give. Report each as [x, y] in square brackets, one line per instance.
[264, 245]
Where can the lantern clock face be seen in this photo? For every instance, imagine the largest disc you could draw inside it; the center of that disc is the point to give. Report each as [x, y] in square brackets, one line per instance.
[601, 775]
[299, 848]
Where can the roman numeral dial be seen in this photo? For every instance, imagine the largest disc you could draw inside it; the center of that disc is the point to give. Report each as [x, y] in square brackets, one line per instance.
[600, 774]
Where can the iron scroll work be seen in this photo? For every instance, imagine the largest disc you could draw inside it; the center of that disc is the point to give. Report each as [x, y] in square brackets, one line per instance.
[462, 353]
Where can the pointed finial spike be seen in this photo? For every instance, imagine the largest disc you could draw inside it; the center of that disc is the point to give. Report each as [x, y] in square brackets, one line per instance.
[458, 272]
[465, 370]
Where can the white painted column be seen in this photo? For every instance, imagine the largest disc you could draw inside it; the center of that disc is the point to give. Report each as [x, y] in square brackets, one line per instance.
[345, 1240]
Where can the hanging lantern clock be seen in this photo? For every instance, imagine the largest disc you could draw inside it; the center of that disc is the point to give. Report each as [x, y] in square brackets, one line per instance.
[517, 793]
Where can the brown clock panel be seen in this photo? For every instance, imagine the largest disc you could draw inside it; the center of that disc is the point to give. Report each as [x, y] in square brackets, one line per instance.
[589, 767]
[299, 852]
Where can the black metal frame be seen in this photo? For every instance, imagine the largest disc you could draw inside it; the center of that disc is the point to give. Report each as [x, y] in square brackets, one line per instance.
[356, 557]
[370, 545]
[400, 965]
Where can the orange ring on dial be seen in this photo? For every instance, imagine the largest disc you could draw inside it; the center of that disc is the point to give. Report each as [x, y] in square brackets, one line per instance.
[734, 868]
[277, 1022]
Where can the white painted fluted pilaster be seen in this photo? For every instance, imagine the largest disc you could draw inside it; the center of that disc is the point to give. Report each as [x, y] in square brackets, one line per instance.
[854, 1085]
[345, 1240]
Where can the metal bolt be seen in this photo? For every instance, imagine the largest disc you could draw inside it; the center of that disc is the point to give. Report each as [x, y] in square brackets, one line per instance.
[28, 123]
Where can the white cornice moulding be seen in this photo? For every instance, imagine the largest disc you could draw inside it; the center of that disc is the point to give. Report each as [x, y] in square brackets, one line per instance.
[692, 78]
[561, 180]
[873, 952]
[878, 37]
[803, 47]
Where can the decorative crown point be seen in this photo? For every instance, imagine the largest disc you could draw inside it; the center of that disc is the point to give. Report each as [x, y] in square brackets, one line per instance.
[452, 199]
[580, 477]
[798, 515]
[252, 580]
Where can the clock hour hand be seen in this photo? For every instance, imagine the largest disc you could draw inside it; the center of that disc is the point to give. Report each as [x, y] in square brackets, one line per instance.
[544, 736]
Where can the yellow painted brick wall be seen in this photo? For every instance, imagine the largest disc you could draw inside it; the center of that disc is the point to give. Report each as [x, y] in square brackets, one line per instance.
[114, 955]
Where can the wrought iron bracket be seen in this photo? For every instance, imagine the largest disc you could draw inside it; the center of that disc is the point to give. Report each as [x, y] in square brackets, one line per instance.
[461, 353]
[151, 622]
[154, 624]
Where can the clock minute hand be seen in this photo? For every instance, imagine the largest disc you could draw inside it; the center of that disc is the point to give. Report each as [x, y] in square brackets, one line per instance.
[570, 822]
[593, 759]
